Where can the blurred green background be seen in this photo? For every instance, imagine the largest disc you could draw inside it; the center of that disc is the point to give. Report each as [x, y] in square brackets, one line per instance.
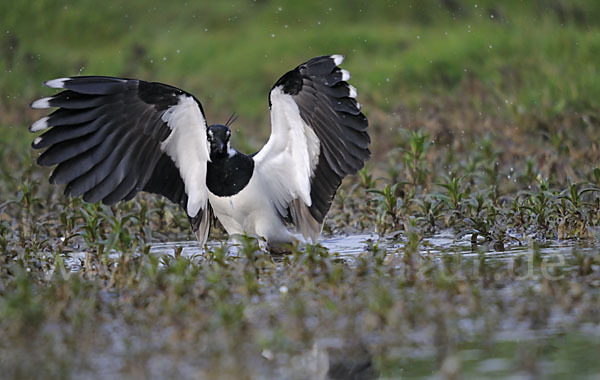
[530, 63]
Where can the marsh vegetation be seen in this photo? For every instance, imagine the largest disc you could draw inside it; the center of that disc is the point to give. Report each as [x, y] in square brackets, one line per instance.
[468, 246]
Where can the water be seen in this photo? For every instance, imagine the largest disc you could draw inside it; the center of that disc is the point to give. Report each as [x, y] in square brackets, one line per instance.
[418, 350]
[350, 246]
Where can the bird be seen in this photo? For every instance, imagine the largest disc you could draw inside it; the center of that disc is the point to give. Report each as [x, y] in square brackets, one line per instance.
[111, 138]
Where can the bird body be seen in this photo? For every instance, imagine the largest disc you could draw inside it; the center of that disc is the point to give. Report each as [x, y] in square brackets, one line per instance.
[113, 137]
[250, 212]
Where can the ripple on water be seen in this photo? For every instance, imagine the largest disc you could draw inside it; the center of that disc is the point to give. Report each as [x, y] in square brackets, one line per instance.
[350, 246]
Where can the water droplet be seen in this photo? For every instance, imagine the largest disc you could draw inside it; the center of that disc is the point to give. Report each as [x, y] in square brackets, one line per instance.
[418, 37]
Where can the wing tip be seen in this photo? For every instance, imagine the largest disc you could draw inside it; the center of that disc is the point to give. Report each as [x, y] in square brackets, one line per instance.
[36, 142]
[56, 83]
[352, 91]
[345, 75]
[337, 59]
[39, 125]
[41, 103]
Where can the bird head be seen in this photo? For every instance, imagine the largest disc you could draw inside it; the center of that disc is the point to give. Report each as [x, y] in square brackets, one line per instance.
[218, 137]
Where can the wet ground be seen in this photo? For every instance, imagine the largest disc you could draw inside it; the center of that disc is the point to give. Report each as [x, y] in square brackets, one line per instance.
[349, 247]
[503, 340]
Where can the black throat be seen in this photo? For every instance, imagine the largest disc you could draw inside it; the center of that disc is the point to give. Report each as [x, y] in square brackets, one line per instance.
[227, 176]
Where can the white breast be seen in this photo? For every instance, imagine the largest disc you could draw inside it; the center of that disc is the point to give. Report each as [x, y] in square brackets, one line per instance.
[251, 212]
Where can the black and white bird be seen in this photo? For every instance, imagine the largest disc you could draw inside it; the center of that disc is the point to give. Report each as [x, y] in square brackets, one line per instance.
[111, 138]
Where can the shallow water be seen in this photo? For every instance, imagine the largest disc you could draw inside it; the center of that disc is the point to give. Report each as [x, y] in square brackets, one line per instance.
[350, 246]
[327, 356]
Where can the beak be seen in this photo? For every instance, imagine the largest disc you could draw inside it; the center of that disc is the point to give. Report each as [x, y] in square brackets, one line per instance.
[221, 147]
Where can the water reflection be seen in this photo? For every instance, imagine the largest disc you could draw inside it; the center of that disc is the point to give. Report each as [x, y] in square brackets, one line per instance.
[349, 247]
[352, 362]
[336, 359]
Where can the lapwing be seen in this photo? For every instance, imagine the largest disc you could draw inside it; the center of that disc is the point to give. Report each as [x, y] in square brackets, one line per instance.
[111, 138]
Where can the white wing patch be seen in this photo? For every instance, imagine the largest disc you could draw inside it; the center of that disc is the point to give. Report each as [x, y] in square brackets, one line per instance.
[345, 75]
[41, 103]
[288, 160]
[353, 92]
[40, 125]
[338, 59]
[188, 148]
[56, 83]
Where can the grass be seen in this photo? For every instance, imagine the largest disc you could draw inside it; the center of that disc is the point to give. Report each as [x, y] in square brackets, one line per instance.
[401, 55]
[484, 127]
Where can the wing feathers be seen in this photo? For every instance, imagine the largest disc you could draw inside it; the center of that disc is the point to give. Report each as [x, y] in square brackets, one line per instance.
[165, 180]
[103, 178]
[93, 85]
[63, 116]
[326, 106]
[72, 100]
[111, 138]
[319, 67]
[201, 225]
[346, 105]
[62, 133]
[66, 150]
[81, 164]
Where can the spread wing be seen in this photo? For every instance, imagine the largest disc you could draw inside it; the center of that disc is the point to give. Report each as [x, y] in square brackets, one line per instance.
[111, 138]
[318, 136]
